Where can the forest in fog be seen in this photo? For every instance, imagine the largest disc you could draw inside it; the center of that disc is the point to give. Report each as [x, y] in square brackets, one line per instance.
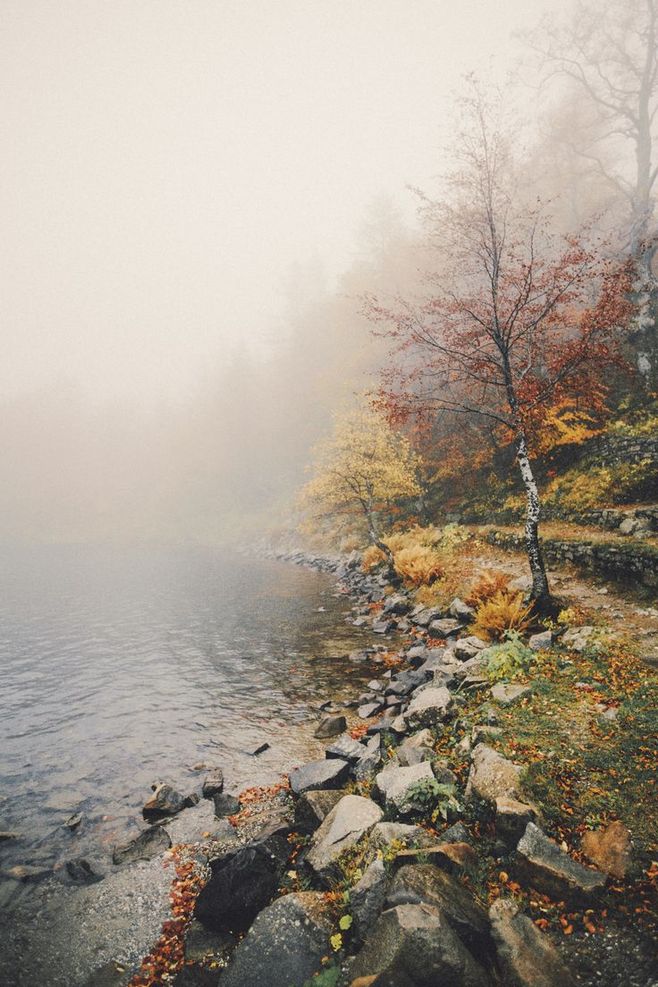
[573, 124]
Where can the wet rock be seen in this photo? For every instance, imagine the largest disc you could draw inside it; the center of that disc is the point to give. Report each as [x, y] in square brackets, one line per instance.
[444, 628]
[491, 776]
[527, 958]
[225, 805]
[347, 748]
[194, 975]
[329, 773]
[461, 611]
[260, 749]
[416, 884]
[609, 848]
[6, 834]
[414, 946]
[285, 945]
[367, 899]
[165, 801]
[74, 821]
[506, 694]
[196, 823]
[213, 784]
[429, 707]
[313, 807]
[242, 882]
[396, 785]
[330, 726]
[81, 871]
[539, 642]
[546, 867]
[512, 818]
[419, 747]
[342, 828]
[150, 843]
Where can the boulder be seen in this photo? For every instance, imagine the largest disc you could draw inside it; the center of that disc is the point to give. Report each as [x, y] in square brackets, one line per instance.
[512, 818]
[461, 611]
[213, 784]
[577, 638]
[225, 805]
[443, 772]
[414, 946]
[81, 871]
[416, 884]
[491, 776]
[507, 693]
[545, 866]
[347, 748]
[330, 726]
[367, 899]
[165, 801]
[457, 833]
[527, 958]
[539, 642]
[242, 882]
[383, 834]
[285, 945]
[397, 605]
[313, 807]
[396, 785]
[383, 626]
[425, 616]
[329, 773]
[468, 647]
[429, 707]
[609, 848]
[367, 766]
[419, 747]
[369, 709]
[347, 822]
[444, 628]
[150, 843]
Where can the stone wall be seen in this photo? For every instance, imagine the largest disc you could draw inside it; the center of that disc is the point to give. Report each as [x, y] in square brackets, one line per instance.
[632, 563]
[616, 450]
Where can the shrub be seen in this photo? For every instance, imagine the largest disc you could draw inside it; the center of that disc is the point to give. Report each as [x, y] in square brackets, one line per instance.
[505, 611]
[488, 584]
[371, 558]
[508, 659]
[429, 798]
[419, 566]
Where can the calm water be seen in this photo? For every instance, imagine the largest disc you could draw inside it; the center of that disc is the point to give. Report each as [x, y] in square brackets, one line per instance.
[119, 669]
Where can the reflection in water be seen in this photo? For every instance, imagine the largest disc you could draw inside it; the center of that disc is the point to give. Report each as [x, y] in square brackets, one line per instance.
[122, 668]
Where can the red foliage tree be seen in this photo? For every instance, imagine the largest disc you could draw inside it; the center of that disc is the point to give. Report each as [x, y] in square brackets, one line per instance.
[516, 319]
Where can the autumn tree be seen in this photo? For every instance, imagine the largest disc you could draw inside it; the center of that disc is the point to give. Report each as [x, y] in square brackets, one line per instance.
[360, 471]
[516, 318]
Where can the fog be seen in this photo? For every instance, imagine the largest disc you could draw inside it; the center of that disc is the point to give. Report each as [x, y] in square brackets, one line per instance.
[193, 196]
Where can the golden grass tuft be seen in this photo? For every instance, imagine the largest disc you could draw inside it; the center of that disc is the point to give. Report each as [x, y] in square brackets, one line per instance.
[489, 584]
[504, 611]
[419, 565]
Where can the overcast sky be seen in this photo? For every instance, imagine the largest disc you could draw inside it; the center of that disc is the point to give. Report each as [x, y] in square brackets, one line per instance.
[165, 162]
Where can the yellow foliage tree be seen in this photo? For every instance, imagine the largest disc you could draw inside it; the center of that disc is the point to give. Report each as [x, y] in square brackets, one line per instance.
[361, 470]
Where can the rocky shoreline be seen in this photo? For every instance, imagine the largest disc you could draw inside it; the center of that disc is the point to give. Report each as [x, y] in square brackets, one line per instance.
[365, 868]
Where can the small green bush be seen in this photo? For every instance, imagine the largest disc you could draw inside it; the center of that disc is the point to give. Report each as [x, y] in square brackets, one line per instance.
[509, 659]
[429, 798]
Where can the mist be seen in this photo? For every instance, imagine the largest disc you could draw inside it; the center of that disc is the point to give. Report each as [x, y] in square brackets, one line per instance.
[194, 198]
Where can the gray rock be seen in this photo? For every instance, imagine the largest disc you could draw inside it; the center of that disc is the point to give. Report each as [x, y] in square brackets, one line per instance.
[444, 628]
[383, 626]
[522, 584]
[165, 801]
[285, 945]
[467, 647]
[150, 843]
[367, 766]
[443, 773]
[330, 773]
[512, 817]
[397, 605]
[213, 784]
[549, 869]
[225, 805]
[416, 884]
[342, 828]
[396, 785]
[527, 958]
[419, 747]
[375, 685]
[414, 946]
[506, 693]
[26, 872]
[417, 655]
[330, 726]
[347, 748]
[385, 833]
[74, 821]
[425, 616]
[538, 642]
[430, 707]
[367, 899]
[313, 807]
[577, 638]
[81, 871]
[369, 709]
[190, 826]
[461, 611]
[456, 833]
[491, 776]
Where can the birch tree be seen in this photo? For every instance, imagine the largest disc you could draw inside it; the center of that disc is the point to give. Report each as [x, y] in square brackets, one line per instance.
[515, 320]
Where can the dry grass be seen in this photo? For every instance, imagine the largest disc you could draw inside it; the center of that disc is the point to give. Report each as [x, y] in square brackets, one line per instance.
[504, 611]
[488, 585]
